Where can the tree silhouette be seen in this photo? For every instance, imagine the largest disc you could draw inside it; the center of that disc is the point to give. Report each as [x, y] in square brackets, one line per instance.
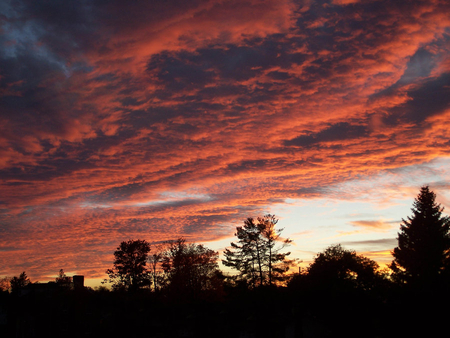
[256, 256]
[156, 272]
[337, 267]
[18, 283]
[422, 254]
[334, 286]
[190, 268]
[62, 279]
[130, 271]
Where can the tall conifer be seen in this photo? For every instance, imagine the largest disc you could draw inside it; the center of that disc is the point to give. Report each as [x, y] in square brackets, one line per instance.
[255, 255]
[422, 255]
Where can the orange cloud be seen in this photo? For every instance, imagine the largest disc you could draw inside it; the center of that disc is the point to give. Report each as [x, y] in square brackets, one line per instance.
[378, 225]
[161, 120]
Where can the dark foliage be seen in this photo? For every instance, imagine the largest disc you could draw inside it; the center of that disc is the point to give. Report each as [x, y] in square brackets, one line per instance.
[256, 256]
[422, 256]
[63, 280]
[190, 269]
[130, 271]
[339, 268]
[341, 294]
[19, 283]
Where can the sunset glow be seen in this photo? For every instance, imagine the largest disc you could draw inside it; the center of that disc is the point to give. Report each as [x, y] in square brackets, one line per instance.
[160, 119]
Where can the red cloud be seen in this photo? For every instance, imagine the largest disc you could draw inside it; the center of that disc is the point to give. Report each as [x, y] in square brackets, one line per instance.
[144, 121]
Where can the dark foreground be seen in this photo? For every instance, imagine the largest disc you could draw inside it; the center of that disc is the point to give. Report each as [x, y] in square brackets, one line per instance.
[263, 312]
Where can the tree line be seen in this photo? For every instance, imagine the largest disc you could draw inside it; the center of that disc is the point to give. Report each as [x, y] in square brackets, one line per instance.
[421, 259]
[178, 290]
[182, 268]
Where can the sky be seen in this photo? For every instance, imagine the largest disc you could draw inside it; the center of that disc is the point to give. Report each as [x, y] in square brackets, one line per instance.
[164, 119]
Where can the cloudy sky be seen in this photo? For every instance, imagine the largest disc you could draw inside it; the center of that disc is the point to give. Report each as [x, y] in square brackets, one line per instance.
[159, 119]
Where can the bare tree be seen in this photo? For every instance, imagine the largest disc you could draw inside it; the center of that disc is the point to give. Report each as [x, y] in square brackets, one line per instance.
[156, 271]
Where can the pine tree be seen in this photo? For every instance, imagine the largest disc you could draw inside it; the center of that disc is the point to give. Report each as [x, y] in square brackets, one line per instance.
[255, 255]
[422, 255]
[19, 283]
[246, 257]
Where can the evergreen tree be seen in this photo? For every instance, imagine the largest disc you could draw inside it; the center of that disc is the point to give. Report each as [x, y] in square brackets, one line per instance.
[18, 283]
[423, 248]
[255, 255]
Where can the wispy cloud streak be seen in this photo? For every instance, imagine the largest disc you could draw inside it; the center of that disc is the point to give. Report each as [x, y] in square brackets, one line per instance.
[171, 118]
